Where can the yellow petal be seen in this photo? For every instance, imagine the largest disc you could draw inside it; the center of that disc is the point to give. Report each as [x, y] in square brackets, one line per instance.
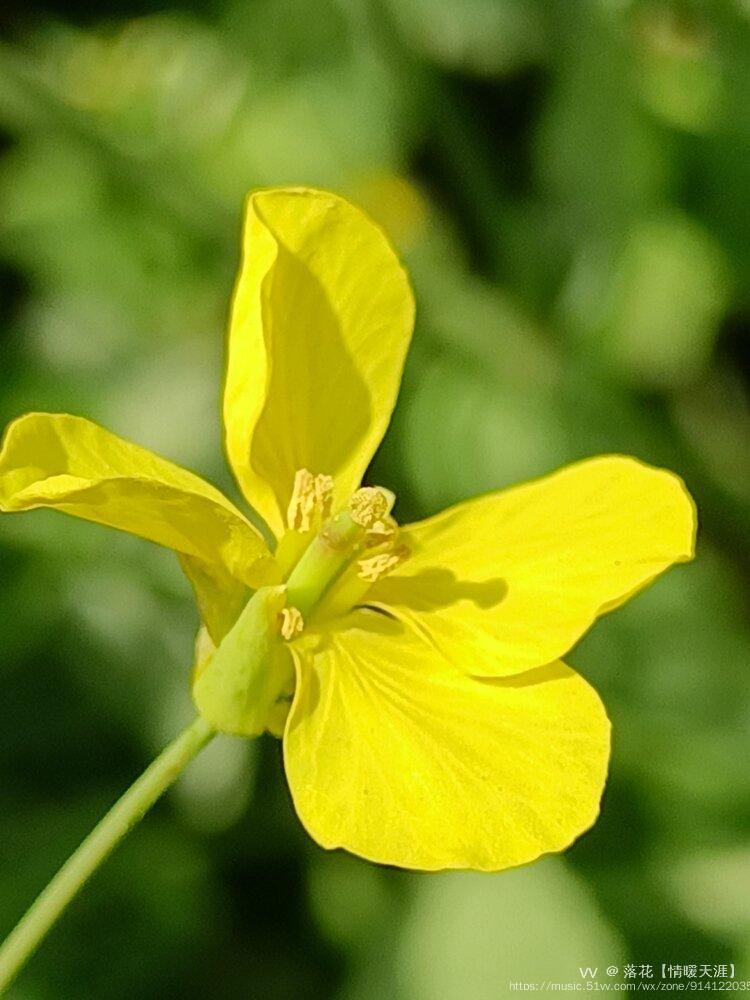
[219, 595]
[73, 465]
[512, 580]
[321, 321]
[395, 755]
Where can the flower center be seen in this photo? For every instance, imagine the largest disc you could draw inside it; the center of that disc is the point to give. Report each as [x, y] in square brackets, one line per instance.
[244, 686]
[351, 550]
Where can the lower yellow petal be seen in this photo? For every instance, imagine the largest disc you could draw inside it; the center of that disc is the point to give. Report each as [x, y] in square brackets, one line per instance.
[395, 755]
[72, 465]
[512, 580]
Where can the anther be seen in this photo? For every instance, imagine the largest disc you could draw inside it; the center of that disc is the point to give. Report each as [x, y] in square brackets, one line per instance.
[370, 505]
[377, 566]
[291, 622]
[311, 500]
[381, 532]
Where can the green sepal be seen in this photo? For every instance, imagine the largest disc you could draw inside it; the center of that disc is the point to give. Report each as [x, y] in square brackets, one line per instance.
[238, 685]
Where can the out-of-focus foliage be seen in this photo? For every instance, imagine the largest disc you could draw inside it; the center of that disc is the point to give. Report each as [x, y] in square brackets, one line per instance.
[568, 184]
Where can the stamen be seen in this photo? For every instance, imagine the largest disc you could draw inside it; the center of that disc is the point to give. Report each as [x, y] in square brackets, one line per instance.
[381, 532]
[370, 505]
[377, 566]
[311, 500]
[323, 494]
[291, 622]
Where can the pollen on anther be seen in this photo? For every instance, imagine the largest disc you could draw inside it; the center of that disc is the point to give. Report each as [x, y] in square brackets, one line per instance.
[381, 532]
[369, 505]
[291, 622]
[311, 500]
[377, 566]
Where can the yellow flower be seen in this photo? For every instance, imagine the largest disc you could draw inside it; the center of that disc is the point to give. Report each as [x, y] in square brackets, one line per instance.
[432, 722]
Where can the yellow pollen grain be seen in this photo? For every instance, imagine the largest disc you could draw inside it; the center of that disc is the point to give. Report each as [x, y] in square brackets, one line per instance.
[323, 495]
[311, 499]
[382, 531]
[375, 567]
[291, 622]
[368, 506]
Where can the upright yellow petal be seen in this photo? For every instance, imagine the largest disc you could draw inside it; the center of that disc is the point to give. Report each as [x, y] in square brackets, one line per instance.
[512, 580]
[321, 321]
[73, 465]
[395, 755]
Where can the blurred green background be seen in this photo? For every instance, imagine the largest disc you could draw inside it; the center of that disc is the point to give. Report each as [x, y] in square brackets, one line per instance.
[568, 184]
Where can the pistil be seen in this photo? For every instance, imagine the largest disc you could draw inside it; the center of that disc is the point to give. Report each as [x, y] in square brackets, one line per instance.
[342, 539]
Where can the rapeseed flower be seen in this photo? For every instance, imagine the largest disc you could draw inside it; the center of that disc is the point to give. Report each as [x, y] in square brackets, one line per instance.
[413, 672]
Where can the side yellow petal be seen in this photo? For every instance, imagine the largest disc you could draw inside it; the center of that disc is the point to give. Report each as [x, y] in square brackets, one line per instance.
[75, 466]
[219, 595]
[512, 580]
[393, 754]
[321, 321]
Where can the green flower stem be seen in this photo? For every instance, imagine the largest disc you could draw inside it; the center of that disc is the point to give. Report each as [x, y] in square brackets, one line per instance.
[120, 819]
